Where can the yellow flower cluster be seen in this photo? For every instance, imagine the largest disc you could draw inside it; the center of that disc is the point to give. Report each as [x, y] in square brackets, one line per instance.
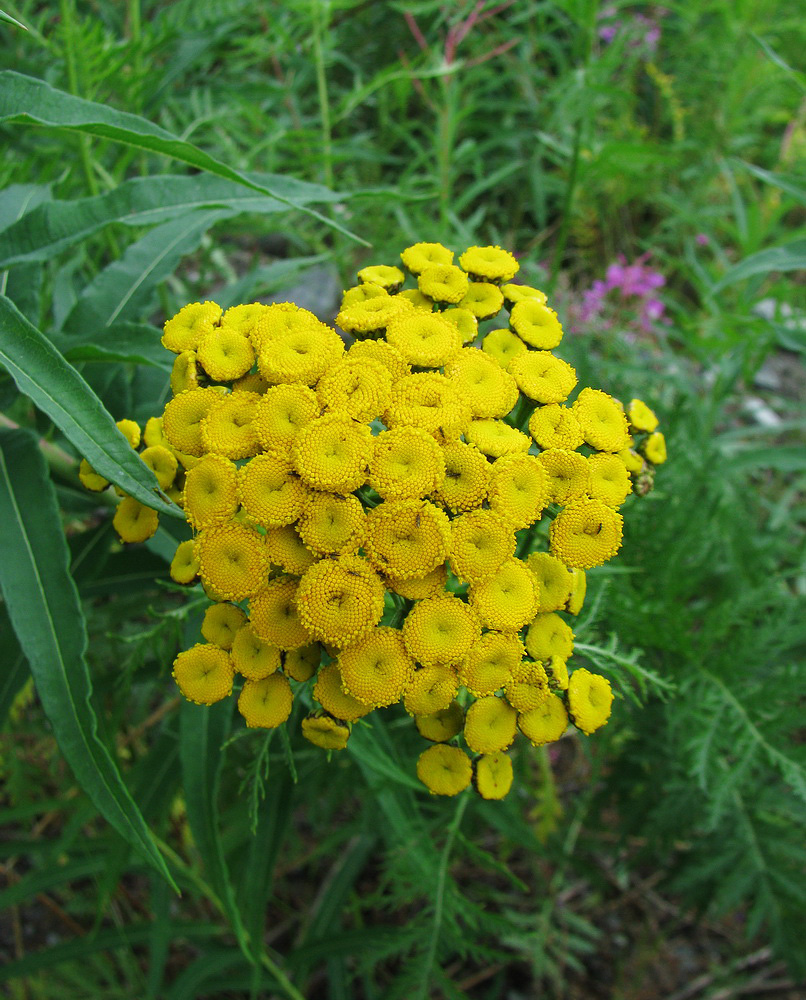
[364, 502]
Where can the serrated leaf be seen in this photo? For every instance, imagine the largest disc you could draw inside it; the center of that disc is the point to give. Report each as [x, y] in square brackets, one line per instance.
[24, 100]
[119, 291]
[46, 613]
[142, 201]
[58, 390]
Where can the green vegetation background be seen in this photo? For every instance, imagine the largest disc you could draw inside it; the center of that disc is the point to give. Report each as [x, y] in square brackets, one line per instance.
[231, 150]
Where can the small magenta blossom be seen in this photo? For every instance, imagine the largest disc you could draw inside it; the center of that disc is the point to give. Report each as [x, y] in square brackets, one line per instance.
[636, 281]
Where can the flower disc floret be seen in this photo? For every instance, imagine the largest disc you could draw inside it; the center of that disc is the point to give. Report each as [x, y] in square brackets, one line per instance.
[227, 428]
[548, 635]
[357, 387]
[269, 491]
[134, 522]
[482, 299]
[518, 489]
[542, 376]
[301, 664]
[210, 496]
[332, 453]
[655, 448]
[232, 560]
[492, 775]
[193, 322]
[495, 438]
[303, 355]
[332, 524]
[480, 542]
[555, 426]
[162, 463]
[568, 474]
[376, 670]
[431, 401]
[406, 538]
[226, 354]
[282, 412]
[387, 356]
[546, 723]
[329, 692]
[444, 770]
[420, 256]
[441, 726]
[372, 316]
[467, 477]
[443, 283]
[489, 664]
[431, 689]
[185, 563]
[220, 624]
[253, 657]
[287, 550]
[609, 479]
[183, 417]
[487, 388]
[440, 630]
[407, 463]
[490, 263]
[602, 421]
[586, 534]
[507, 601]
[503, 346]
[536, 324]
[490, 725]
[340, 600]
[516, 293]
[425, 340]
[325, 732]
[267, 703]
[590, 698]
[185, 372]
[204, 673]
[554, 578]
[274, 616]
[640, 416]
[389, 278]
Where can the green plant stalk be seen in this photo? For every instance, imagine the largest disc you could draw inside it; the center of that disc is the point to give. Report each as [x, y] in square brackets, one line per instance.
[321, 10]
[446, 139]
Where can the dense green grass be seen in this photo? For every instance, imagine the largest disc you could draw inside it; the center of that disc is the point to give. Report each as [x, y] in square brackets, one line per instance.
[301, 878]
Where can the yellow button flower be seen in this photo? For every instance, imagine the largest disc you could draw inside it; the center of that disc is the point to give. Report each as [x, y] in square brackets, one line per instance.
[641, 417]
[420, 256]
[376, 670]
[579, 586]
[609, 479]
[528, 686]
[340, 600]
[417, 588]
[373, 315]
[274, 616]
[568, 474]
[184, 331]
[332, 453]
[389, 278]
[464, 321]
[332, 524]
[546, 723]
[244, 318]
[431, 401]
[267, 703]
[281, 413]
[440, 630]
[134, 522]
[503, 346]
[360, 293]
[130, 429]
[467, 477]
[492, 775]
[287, 550]
[494, 438]
[407, 464]
[185, 564]
[443, 283]
[226, 354]
[590, 698]
[253, 657]
[555, 426]
[232, 560]
[444, 770]
[271, 494]
[387, 356]
[227, 428]
[507, 601]
[185, 372]
[554, 578]
[162, 463]
[357, 387]
[329, 692]
[586, 534]
[406, 538]
[490, 725]
[302, 663]
[210, 496]
[424, 339]
[516, 293]
[548, 635]
[489, 664]
[519, 489]
[303, 355]
[487, 388]
[443, 725]
[536, 324]
[90, 479]
[325, 732]
[431, 689]
[603, 423]
[490, 263]
[480, 542]
[542, 376]
[204, 674]
[221, 623]
[483, 299]
[655, 448]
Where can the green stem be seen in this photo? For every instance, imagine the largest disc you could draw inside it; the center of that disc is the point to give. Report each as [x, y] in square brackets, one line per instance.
[321, 9]
[446, 138]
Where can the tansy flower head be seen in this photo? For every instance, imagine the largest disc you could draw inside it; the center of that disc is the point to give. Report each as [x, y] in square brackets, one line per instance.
[655, 448]
[579, 585]
[425, 340]
[519, 489]
[372, 316]
[190, 325]
[503, 346]
[489, 263]
[641, 417]
[154, 434]
[557, 673]
[232, 560]
[424, 255]
[467, 477]
[586, 534]
[130, 429]
[325, 732]
[443, 283]
[536, 324]
[589, 700]
[568, 474]
[508, 600]
[360, 293]
[303, 355]
[269, 491]
[609, 479]
[220, 624]
[407, 463]
[274, 616]
[465, 322]
[548, 635]
[431, 401]
[210, 496]
[495, 438]
[542, 376]
[340, 600]
[244, 318]
[431, 689]
[546, 723]
[281, 413]
[162, 463]
[266, 703]
[204, 673]
[487, 388]
[492, 775]
[443, 725]
[516, 293]
[226, 354]
[390, 359]
[490, 725]
[406, 538]
[376, 670]
[357, 387]
[279, 321]
[417, 588]
[482, 299]
[389, 278]
[555, 426]
[440, 630]
[417, 299]
[287, 550]
[301, 664]
[444, 770]
[489, 663]
[329, 692]
[227, 428]
[90, 478]
[253, 657]
[603, 423]
[528, 686]
[185, 563]
[554, 579]
[332, 524]
[480, 542]
[185, 372]
[332, 453]
[134, 522]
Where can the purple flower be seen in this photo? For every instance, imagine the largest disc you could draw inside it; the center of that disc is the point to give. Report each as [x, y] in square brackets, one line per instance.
[701, 239]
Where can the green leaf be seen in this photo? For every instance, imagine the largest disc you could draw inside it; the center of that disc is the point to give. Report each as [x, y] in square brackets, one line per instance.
[15, 670]
[138, 343]
[45, 611]
[12, 20]
[57, 389]
[121, 289]
[791, 257]
[142, 201]
[784, 183]
[25, 100]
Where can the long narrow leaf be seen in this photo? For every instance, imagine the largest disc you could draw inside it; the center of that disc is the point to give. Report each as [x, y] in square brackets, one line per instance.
[57, 389]
[45, 611]
[142, 201]
[126, 342]
[791, 257]
[25, 100]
